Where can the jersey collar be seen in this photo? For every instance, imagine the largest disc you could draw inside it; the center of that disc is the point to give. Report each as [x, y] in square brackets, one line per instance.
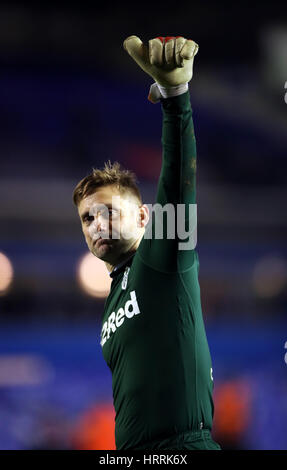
[119, 267]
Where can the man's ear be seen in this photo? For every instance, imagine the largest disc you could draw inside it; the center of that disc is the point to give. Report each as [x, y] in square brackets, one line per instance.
[143, 216]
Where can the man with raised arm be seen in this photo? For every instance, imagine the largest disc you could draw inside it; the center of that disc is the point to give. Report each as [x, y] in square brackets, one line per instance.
[153, 336]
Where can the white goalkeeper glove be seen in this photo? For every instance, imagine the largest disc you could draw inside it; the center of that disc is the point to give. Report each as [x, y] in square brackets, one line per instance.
[168, 60]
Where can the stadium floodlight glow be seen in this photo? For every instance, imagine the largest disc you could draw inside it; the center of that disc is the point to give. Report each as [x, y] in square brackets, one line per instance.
[6, 274]
[93, 276]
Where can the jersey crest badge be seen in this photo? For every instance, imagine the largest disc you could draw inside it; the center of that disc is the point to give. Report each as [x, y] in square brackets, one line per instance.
[125, 278]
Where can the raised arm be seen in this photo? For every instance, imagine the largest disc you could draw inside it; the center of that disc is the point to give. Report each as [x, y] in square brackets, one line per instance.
[170, 62]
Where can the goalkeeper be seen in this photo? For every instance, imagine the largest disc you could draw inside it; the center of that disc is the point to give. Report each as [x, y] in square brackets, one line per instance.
[153, 336]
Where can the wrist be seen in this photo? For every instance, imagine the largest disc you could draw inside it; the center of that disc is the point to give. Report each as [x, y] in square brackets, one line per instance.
[169, 92]
[157, 92]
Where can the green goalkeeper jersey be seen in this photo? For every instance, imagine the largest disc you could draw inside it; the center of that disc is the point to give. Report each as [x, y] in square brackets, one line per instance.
[153, 336]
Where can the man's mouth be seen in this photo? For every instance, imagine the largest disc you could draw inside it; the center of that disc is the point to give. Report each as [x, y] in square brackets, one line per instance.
[101, 241]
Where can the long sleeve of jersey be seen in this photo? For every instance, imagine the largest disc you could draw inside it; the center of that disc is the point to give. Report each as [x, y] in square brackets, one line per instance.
[176, 192]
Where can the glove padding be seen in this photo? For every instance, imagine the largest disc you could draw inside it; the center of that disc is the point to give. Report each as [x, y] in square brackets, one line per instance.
[169, 60]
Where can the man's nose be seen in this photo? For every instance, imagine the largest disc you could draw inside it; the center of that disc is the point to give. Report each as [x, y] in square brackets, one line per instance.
[97, 227]
[101, 223]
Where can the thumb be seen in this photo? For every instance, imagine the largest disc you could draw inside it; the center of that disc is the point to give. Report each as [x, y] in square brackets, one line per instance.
[137, 50]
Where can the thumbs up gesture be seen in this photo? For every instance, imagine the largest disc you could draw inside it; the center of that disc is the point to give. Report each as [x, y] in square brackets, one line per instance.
[168, 60]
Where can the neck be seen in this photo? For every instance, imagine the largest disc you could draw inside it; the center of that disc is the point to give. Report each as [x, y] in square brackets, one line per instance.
[123, 257]
[110, 267]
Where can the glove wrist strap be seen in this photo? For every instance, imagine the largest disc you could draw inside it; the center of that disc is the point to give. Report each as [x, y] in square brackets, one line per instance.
[173, 91]
[157, 91]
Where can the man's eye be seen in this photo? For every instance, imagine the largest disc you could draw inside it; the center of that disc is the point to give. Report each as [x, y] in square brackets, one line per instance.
[113, 212]
[88, 218]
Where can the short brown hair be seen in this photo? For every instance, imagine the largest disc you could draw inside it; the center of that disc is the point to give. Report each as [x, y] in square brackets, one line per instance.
[110, 174]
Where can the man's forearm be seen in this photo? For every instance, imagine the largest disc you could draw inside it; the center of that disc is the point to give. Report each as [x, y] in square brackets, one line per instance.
[177, 182]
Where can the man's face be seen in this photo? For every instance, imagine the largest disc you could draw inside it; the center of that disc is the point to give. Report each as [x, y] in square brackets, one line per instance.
[110, 223]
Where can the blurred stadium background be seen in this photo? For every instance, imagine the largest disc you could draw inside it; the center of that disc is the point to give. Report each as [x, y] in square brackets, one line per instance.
[71, 98]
